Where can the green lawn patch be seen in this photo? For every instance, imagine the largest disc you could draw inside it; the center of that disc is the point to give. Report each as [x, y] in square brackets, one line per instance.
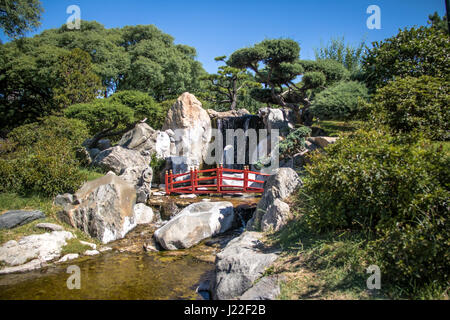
[334, 128]
[74, 246]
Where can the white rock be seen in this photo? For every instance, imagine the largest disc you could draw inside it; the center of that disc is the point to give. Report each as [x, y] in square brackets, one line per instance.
[44, 247]
[195, 223]
[143, 214]
[239, 265]
[276, 216]
[162, 145]
[105, 209]
[118, 158]
[68, 257]
[188, 196]
[322, 142]
[191, 125]
[91, 253]
[92, 245]
[278, 186]
[29, 266]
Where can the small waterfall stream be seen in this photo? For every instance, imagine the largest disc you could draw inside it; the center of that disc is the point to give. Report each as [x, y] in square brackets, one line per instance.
[244, 123]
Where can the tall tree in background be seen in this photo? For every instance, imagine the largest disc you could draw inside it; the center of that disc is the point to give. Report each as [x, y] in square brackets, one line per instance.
[77, 81]
[227, 85]
[336, 49]
[18, 17]
[158, 66]
[139, 58]
[412, 52]
[437, 22]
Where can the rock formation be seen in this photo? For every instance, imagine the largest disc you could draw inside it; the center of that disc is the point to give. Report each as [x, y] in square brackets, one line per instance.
[239, 265]
[104, 208]
[195, 223]
[32, 251]
[271, 214]
[15, 218]
[192, 128]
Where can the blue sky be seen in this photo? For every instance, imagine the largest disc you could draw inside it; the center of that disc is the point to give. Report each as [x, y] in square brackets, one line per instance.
[217, 28]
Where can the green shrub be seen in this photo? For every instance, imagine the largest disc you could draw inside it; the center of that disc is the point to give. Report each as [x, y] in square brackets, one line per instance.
[101, 115]
[143, 105]
[415, 255]
[339, 102]
[314, 79]
[414, 104]
[294, 142]
[393, 189]
[157, 166]
[412, 52]
[334, 71]
[369, 180]
[112, 117]
[48, 169]
[48, 128]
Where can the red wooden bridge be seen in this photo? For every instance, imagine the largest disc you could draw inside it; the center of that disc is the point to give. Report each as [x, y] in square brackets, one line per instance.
[219, 180]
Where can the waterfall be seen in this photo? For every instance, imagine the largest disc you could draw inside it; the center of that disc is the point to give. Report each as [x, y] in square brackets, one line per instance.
[245, 123]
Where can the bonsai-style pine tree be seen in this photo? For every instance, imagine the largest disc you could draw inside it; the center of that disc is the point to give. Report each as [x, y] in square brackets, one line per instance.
[287, 81]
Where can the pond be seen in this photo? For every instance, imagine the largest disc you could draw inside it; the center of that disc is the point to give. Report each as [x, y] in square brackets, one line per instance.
[114, 276]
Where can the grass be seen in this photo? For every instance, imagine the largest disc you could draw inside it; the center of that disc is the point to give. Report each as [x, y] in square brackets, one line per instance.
[92, 174]
[12, 201]
[333, 266]
[74, 246]
[327, 266]
[334, 128]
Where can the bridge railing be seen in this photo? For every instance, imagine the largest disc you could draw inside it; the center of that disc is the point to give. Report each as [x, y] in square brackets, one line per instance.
[218, 180]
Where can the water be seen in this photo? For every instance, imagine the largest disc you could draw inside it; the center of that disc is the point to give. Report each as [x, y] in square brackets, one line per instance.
[114, 276]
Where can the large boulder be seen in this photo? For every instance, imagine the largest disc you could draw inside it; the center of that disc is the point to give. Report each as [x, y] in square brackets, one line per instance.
[143, 214]
[104, 209]
[118, 158]
[194, 223]
[141, 178]
[15, 218]
[191, 125]
[276, 216]
[144, 138]
[31, 251]
[278, 186]
[239, 265]
[133, 175]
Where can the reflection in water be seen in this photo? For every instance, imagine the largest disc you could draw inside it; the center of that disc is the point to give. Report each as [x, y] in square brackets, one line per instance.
[113, 276]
